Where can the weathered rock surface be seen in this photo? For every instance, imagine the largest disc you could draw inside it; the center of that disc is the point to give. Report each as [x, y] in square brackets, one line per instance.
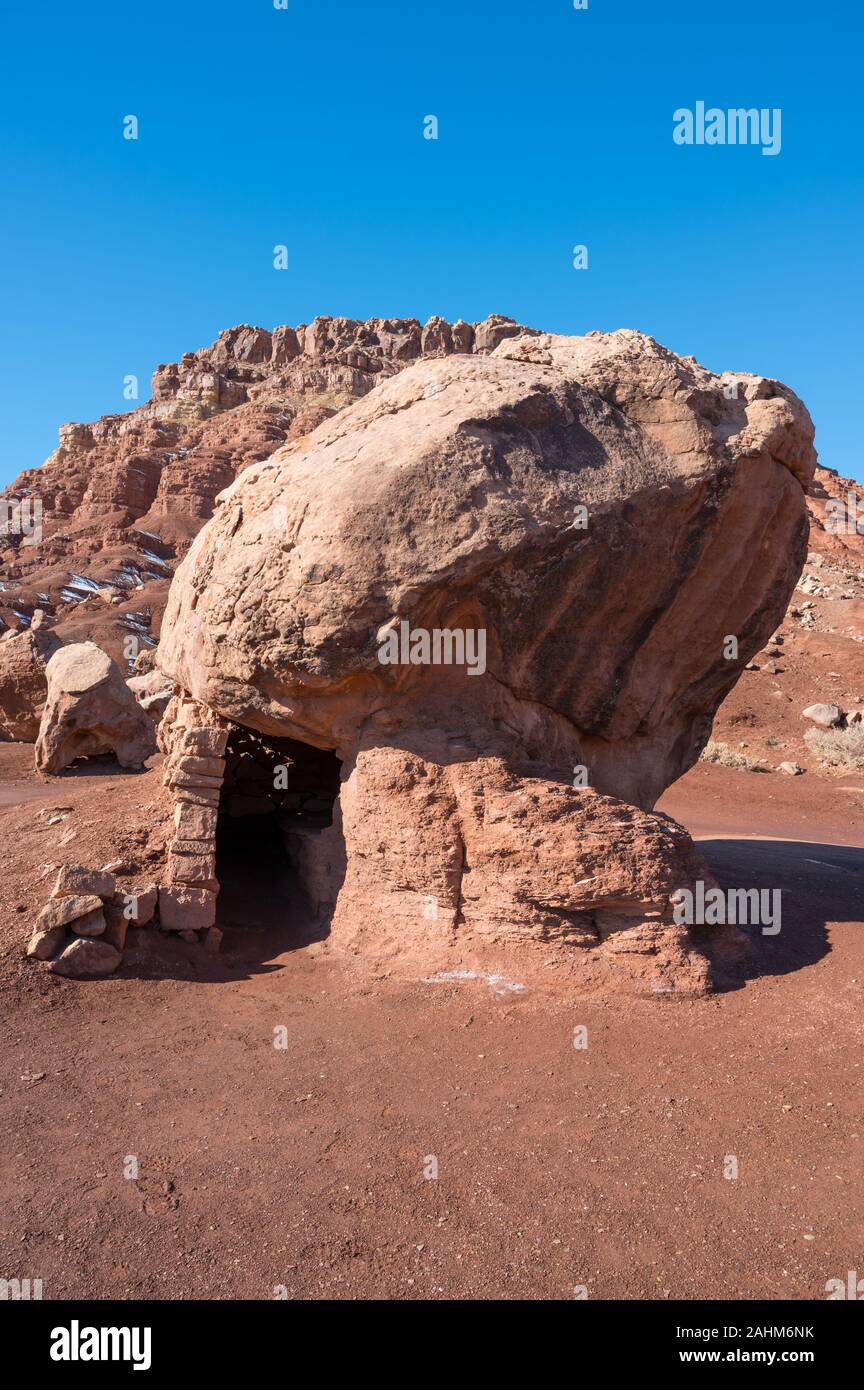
[594, 517]
[472, 857]
[79, 879]
[59, 912]
[86, 957]
[85, 906]
[45, 942]
[152, 691]
[23, 682]
[825, 716]
[135, 908]
[90, 709]
[186, 908]
[450, 499]
[91, 924]
[122, 497]
[140, 905]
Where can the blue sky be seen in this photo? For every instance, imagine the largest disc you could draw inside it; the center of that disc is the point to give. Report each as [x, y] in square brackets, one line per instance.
[304, 126]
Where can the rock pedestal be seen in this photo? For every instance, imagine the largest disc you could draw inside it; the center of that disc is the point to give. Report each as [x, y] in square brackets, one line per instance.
[500, 590]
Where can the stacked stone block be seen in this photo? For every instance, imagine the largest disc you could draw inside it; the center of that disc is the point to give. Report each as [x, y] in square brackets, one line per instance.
[194, 740]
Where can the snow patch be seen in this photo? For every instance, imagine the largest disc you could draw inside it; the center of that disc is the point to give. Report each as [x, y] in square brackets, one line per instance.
[155, 559]
[83, 584]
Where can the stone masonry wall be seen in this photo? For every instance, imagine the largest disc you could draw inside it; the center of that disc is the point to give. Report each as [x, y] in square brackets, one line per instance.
[194, 741]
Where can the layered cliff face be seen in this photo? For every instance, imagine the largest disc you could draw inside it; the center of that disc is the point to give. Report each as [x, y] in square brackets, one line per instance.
[122, 498]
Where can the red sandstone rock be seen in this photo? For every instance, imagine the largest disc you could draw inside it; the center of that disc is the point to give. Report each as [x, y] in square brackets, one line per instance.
[123, 497]
[152, 691]
[184, 908]
[591, 508]
[90, 924]
[45, 943]
[473, 857]
[90, 709]
[604, 641]
[194, 822]
[78, 879]
[712, 472]
[60, 912]
[84, 958]
[23, 683]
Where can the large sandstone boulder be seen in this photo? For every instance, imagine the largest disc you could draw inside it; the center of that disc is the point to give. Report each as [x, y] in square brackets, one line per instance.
[605, 538]
[23, 683]
[490, 574]
[89, 710]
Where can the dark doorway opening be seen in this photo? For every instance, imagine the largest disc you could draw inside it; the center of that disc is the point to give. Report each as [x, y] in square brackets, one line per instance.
[279, 850]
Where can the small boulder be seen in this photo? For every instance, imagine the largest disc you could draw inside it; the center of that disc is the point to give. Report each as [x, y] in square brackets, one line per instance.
[76, 878]
[183, 908]
[213, 941]
[90, 710]
[152, 690]
[93, 924]
[44, 944]
[61, 912]
[144, 661]
[824, 715]
[86, 957]
[133, 909]
[791, 769]
[140, 904]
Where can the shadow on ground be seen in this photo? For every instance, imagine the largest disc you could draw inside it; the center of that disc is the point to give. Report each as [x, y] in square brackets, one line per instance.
[263, 918]
[818, 884]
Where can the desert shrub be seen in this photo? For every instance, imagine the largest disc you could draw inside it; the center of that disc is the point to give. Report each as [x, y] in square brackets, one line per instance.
[842, 749]
[715, 752]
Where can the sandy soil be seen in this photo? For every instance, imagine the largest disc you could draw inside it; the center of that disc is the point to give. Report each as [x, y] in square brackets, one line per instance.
[303, 1166]
[719, 802]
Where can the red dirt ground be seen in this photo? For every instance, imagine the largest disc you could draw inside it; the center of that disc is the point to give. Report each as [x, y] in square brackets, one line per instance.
[303, 1167]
